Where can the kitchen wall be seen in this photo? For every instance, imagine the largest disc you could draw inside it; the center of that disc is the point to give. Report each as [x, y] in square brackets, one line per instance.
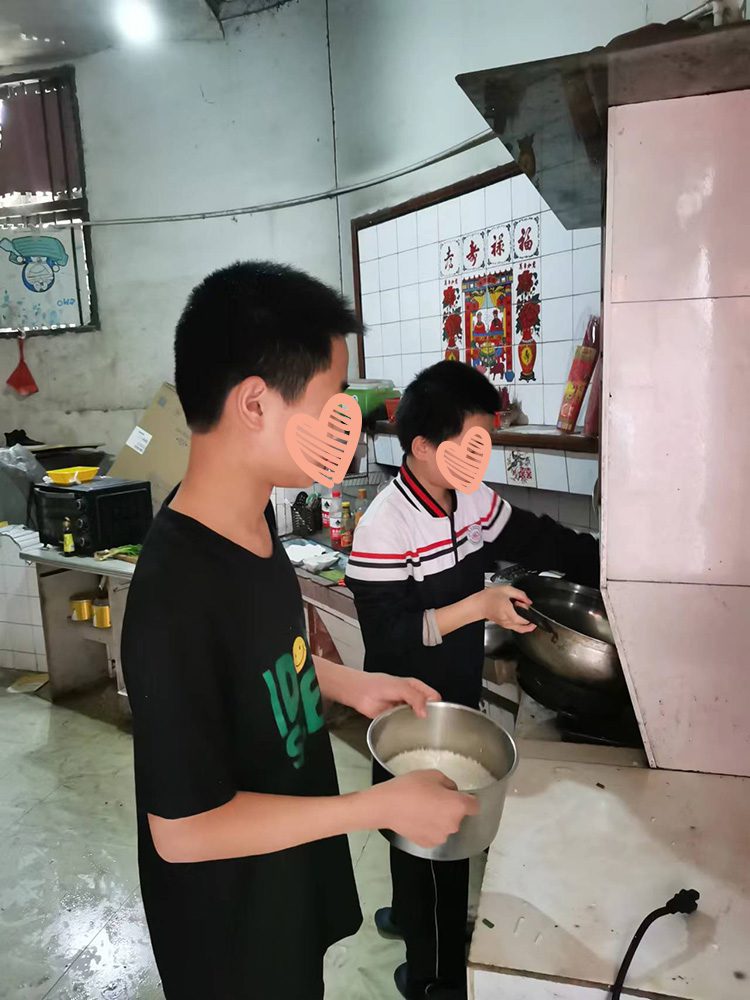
[211, 125]
[396, 99]
[183, 127]
[411, 266]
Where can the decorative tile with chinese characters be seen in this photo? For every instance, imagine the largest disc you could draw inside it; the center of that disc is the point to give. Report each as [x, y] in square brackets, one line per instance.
[450, 258]
[473, 252]
[526, 237]
[451, 314]
[487, 316]
[498, 245]
[519, 467]
[527, 314]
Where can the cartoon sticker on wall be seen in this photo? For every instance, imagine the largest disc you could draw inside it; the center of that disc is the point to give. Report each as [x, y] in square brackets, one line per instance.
[40, 258]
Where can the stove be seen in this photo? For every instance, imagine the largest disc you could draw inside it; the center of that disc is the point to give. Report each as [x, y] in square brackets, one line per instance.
[584, 714]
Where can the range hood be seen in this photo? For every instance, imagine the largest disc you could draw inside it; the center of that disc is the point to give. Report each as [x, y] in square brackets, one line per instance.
[551, 115]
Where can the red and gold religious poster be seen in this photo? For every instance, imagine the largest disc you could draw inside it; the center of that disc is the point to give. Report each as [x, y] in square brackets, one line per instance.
[488, 327]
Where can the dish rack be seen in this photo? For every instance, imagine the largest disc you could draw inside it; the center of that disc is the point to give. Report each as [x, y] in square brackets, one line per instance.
[306, 519]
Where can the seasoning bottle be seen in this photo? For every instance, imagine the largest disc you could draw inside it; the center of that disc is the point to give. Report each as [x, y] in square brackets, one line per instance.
[361, 506]
[68, 544]
[325, 507]
[347, 527]
[334, 519]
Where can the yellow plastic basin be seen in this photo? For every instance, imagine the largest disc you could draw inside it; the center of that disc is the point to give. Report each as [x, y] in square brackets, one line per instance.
[76, 474]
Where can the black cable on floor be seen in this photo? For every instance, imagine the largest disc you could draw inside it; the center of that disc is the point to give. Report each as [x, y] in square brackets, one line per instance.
[685, 901]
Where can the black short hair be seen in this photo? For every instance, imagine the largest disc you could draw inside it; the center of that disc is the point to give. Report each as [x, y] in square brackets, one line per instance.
[435, 405]
[254, 318]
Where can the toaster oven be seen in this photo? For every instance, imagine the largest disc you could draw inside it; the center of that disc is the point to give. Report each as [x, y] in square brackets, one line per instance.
[103, 513]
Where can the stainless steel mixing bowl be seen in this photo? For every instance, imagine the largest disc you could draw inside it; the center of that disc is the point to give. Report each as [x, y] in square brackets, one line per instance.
[462, 730]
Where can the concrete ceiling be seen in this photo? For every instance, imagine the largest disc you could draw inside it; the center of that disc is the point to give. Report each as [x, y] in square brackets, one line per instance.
[226, 9]
[53, 30]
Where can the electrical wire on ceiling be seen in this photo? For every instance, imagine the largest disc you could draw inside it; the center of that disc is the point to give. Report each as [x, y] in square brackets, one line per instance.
[336, 192]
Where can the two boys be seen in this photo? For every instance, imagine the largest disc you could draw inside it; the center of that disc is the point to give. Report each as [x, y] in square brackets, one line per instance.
[417, 571]
[244, 864]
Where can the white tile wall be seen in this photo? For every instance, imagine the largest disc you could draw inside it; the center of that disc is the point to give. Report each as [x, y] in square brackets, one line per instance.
[525, 199]
[561, 487]
[389, 306]
[369, 276]
[401, 288]
[554, 236]
[411, 366]
[497, 203]
[389, 272]
[387, 238]
[587, 273]
[557, 320]
[408, 267]
[575, 512]
[583, 471]
[552, 399]
[368, 244]
[531, 398]
[551, 471]
[427, 226]
[556, 360]
[496, 472]
[374, 340]
[557, 277]
[406, 231]
[371, 309]
[21, 635]
[429, 298]
[427, 263]
[410, 336]
[472, 211]
[391, 338]
[449, 219]
[409, 301]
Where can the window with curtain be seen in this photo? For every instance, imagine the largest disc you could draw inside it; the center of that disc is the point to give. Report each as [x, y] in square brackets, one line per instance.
[46, 281]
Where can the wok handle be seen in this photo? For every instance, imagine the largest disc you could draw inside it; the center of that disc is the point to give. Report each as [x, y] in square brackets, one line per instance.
[530, 615]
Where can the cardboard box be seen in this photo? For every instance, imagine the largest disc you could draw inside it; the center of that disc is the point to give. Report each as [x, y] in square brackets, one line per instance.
[157, 449]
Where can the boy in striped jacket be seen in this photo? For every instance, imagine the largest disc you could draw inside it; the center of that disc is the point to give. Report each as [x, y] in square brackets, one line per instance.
[417, 572]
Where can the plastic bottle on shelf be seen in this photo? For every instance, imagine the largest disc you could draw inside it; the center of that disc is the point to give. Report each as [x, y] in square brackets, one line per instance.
[334, 519]
[325, 505]
[361, 506]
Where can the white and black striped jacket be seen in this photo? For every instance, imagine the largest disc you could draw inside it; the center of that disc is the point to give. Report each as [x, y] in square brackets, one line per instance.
[410, 556]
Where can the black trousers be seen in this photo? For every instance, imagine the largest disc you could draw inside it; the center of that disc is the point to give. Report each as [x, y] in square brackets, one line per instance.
[430, 907]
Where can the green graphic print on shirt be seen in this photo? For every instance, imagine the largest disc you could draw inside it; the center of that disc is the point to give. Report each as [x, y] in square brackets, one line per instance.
[295, 699]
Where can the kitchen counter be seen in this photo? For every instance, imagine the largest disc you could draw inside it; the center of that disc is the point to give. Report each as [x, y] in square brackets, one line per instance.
[590, 842]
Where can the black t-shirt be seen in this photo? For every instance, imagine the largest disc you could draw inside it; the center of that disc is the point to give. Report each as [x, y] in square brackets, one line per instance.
[225, 699]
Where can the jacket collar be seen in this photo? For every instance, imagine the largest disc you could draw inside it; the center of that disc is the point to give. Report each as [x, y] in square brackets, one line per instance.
[418, 494]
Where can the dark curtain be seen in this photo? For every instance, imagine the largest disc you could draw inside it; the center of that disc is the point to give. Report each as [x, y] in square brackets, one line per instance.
[38, 143]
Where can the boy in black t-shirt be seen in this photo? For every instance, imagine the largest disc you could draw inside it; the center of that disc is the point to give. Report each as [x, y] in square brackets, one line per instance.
[417, 571]
[245, 870]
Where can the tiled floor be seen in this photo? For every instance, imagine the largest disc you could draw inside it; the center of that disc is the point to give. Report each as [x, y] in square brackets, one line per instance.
[71, 922]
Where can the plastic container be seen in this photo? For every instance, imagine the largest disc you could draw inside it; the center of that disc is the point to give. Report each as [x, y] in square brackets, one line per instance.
[391, 405]
[75, 474]
[370, 393]
[334, 518]
[325, 505]
[81, 608]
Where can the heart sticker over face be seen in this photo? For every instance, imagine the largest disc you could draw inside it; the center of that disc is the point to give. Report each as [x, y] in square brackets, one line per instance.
[324, 448]
[464, 463]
